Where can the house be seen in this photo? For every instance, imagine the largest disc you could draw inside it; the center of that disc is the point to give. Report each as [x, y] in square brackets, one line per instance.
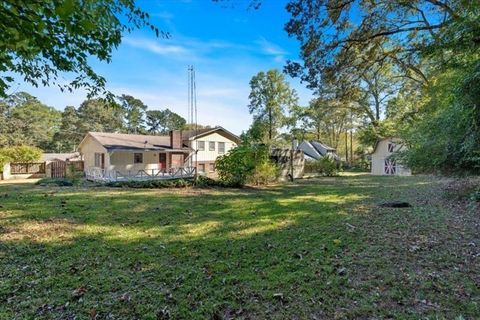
[116, 156]
[382, 161]
[209, 144]
[315, 150]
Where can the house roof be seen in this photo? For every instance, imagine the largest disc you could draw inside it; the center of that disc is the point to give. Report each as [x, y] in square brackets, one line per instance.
[317, 150]
[60, 156]
[195, 134]
[131, 142]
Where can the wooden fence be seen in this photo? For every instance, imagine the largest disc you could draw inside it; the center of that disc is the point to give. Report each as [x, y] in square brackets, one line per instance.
[27, 168]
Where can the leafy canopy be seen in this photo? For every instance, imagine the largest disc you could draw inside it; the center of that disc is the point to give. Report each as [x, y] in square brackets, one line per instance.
[41, 39]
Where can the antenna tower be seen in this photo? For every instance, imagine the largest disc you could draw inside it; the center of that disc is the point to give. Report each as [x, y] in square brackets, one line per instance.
[192, 111]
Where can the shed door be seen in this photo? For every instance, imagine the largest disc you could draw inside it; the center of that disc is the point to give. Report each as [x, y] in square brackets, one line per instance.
[390, 167]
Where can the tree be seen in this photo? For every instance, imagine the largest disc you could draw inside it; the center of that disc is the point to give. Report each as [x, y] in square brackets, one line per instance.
[162, 121]
[70, 134]
[41, 39]
[134, 110]
[333, 36]
[99, 115]
[27, 121]
[270, 96]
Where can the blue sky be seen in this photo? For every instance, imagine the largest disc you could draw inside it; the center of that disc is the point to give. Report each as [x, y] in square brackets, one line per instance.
[227, 44]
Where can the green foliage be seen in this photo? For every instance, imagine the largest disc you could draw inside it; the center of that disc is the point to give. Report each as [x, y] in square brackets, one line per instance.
[19, 154]
[243, 164]
[42, 40]
[25, 120]
[152, 184]
[324, 166]
[270, 98]
[369, 134]
[446, 137]
[162, 121]
[264, 173]
[59, 182]
[134, 111]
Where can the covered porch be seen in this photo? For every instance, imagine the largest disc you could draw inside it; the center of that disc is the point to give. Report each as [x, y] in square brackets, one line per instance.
[121, 165]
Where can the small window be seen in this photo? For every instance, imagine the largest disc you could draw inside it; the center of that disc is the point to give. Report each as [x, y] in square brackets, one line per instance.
[138, 158]
[221, 147]
[201, 167]
[391, 147]
[211, 167]
[201, 145]
[99, 160]
[211, 146]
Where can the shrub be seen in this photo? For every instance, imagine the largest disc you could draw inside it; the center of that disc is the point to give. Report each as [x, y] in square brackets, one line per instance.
[324, 166]
[246, 163]
[152, 184]
[264, 173]
[19, 154]
[60, 182]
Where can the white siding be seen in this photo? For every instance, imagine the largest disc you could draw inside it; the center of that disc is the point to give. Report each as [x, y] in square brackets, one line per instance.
[88, 149]
[381, 153]
[123, 161]
[208, 155]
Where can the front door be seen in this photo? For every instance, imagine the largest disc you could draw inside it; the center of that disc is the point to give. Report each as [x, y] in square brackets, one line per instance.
[162, 161]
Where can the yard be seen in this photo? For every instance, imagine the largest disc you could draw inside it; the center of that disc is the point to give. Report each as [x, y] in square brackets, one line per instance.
[315, 249]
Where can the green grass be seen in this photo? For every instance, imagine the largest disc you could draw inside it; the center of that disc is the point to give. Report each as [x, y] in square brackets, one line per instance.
[315, 249]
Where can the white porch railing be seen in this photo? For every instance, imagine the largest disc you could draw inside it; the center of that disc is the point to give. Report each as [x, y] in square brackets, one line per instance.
[103, 175]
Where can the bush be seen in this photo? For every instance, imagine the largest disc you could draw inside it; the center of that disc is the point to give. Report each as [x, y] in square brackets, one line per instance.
[264, 173]
[152, 184]
[19, 154]
[60, 182]
[325, 166]
[246, 163]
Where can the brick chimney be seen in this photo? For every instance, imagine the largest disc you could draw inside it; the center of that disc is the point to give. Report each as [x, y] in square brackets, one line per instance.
[176, 139]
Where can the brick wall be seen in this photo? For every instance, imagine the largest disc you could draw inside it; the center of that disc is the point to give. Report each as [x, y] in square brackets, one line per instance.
[176, 139]
[176, 160]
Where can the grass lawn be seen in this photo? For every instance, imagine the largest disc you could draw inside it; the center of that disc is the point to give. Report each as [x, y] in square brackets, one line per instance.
[315, 249]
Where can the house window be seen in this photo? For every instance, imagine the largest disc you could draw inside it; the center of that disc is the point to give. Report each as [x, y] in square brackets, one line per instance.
[221, 147]
[211, 167]
[138, 158]
[211, 146]
[390, 166]
[391, 147]
[201, 145]
[201, 167]
[99, 160]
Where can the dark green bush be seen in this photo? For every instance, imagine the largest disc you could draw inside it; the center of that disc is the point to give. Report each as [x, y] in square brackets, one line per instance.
[324, 166]
[246, 163]
[60, 182]
[152, 184]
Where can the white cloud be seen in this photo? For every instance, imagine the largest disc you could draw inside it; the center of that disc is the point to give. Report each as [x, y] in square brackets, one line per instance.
[156, 46]
[271, 49]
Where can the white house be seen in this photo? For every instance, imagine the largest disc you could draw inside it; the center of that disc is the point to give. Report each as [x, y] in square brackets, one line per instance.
[382, 161]
[113, 156]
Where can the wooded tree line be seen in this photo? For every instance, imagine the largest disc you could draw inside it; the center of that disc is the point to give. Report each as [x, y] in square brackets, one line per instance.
[24, 120]
[385, 68]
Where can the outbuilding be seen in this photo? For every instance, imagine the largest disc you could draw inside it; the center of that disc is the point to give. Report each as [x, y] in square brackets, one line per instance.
[383, 162]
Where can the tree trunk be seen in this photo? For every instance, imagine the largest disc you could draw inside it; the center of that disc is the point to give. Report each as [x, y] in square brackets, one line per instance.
[346, 146]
